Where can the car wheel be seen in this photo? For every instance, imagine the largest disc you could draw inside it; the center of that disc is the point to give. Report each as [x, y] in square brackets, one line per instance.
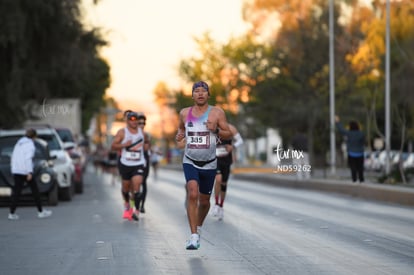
[52, 196]
[65, 194]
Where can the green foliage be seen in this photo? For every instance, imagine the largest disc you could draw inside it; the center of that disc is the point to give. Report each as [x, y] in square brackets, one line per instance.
[46, 53]
[395, 176]
[297, 98]
[182, 100]
[367, 61]
[282, 81]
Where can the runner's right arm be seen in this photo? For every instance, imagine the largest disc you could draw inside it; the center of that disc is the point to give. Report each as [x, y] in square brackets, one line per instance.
[117, 142]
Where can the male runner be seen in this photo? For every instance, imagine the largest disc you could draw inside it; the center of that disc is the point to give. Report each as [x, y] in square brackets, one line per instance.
[224, 161]
[132, 143]
[202, 125]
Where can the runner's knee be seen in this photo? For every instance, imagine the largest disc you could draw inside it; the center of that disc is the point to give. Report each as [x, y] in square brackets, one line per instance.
[204, 200]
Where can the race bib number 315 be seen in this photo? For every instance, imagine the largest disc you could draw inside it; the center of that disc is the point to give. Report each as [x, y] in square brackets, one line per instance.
[133, 155]
[198, 140]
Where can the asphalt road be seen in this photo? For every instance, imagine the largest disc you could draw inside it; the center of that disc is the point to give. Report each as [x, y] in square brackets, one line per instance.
[266, 230]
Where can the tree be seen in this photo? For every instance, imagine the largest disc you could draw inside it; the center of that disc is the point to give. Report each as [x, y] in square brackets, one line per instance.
[46, 52]
[277, 74]
[297, 98]
[368, 63]
[231, 70]
[168, 117]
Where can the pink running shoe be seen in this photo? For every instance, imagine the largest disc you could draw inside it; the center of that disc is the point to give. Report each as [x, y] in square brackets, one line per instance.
[128, 214]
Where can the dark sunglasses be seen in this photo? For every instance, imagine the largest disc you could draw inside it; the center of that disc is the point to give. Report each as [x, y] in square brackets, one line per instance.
[141, 123]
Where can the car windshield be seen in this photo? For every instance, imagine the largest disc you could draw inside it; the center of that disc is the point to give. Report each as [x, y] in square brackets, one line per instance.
[41, 151]
[51, 140]
[6, 147]
[65, 135]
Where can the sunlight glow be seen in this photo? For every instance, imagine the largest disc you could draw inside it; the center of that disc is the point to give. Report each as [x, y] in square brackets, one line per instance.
[148, 39]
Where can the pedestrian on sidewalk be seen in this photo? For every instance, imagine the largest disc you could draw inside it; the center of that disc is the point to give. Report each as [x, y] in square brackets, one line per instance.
[132, 143]
[224, 153]
[22, 170]
[355, 141]
[202, 125]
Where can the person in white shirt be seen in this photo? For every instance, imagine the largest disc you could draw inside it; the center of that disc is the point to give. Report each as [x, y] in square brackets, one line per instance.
[22, 170]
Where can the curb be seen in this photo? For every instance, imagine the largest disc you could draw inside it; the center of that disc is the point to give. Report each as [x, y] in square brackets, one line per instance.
[387, 193]
[373, 191]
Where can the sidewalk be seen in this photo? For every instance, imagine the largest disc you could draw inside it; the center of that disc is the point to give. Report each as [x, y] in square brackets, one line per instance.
[339, 183]
[322, 181]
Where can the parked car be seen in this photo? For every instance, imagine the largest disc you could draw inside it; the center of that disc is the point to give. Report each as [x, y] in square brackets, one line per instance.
[368, 160]
[63, 164]
[43, 173]
[399, 157]
[409, 161]
[77, 155]
[375, 161]
[380, 159]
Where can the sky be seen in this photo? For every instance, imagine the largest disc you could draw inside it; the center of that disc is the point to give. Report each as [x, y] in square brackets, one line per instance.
[149, 38]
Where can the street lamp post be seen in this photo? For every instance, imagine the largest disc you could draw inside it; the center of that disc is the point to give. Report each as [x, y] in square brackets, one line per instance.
[110, 113]
[332, 85]
[387, 91]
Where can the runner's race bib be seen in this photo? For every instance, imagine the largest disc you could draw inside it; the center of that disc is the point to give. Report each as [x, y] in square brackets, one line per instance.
[131, 155]
[221, 151]
[198, 140]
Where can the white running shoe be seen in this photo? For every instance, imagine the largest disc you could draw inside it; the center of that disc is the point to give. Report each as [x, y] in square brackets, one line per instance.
[44, 214]
[220, 213]
[13, 216]
[215, 210]
[194, 242]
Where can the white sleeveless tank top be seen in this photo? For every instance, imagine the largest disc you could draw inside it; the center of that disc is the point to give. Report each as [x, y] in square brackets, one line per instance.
[134, 154]
[201, 142]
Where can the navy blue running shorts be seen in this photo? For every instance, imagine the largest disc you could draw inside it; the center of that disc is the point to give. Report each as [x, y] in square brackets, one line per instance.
[204, 177]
